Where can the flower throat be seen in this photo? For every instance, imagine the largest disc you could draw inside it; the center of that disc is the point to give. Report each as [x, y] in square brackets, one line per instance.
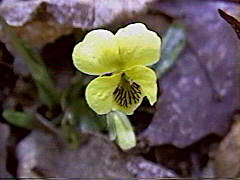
[127, 92]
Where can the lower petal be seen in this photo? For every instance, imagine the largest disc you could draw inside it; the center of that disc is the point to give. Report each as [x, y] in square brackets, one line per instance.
[146, 78]
[127, 110]
[99, 93]
[127, 96]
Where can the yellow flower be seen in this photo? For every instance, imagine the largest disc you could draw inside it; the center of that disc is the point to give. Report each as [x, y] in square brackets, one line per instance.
[124, 55]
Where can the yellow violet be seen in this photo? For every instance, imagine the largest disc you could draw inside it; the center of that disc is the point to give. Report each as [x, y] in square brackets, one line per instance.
[124, 55]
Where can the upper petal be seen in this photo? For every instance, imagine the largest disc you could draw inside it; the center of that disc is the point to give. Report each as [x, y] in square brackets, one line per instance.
[138, 45]
[99, 93]
[97, 53]
[146, 78]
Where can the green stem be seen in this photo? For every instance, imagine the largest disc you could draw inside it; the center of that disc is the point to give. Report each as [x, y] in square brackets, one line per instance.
[47, 91]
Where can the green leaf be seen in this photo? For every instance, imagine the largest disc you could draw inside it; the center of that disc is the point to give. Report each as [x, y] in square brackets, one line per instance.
[20, 119]
[80, 116]
[173, 43]
[72, 92]
[121, 130]
[76, 110]
[48, 95]
[36, 66]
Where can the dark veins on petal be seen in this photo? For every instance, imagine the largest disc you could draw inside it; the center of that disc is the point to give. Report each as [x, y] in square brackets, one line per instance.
[126, 96]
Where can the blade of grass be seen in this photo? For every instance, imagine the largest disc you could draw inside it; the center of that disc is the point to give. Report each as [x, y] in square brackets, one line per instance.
[20, 119]
[47, 91]
[173, 43]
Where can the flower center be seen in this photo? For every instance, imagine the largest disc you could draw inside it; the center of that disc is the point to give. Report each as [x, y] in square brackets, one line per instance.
[127, 92]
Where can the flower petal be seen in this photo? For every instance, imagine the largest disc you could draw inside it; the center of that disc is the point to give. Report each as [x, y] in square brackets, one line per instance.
[127, 110]
[138, 45]
[146, 78]
[99, 93]
[97, 54]
[123, 130]
[127, 98]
